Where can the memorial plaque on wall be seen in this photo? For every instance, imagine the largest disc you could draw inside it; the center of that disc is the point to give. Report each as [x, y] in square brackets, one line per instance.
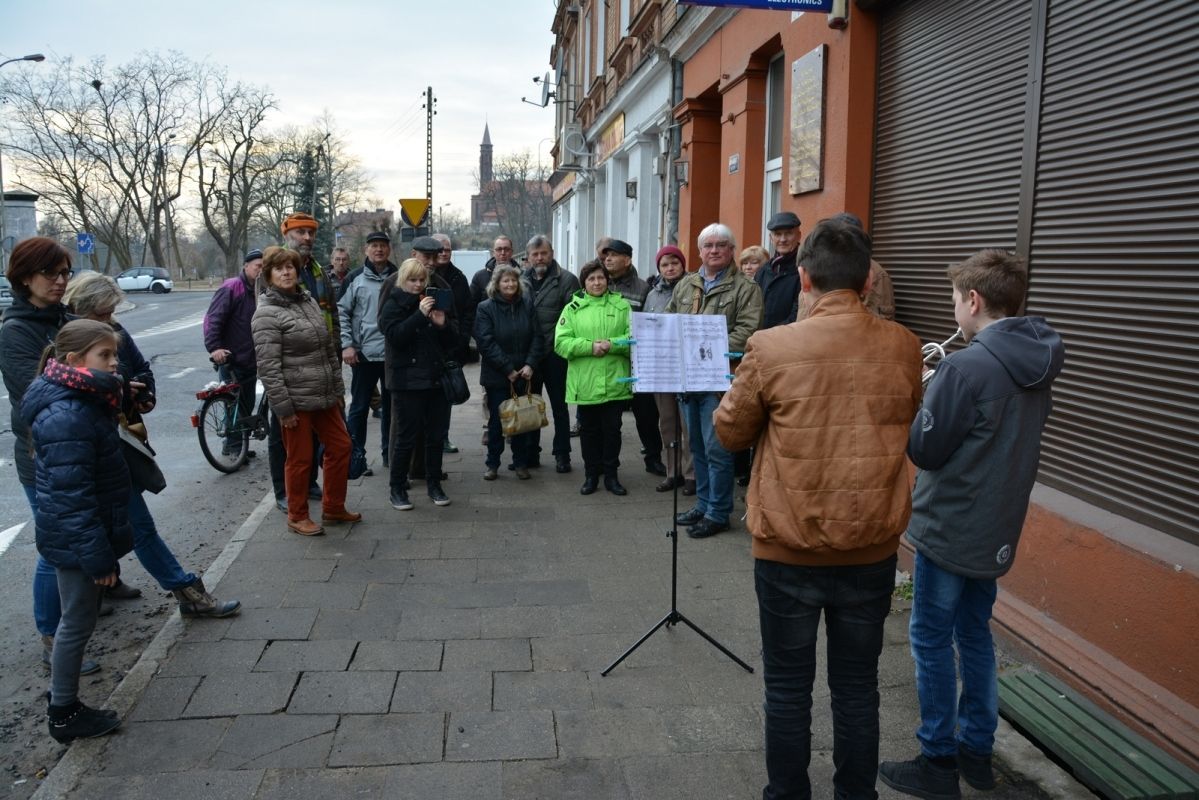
[807, 122]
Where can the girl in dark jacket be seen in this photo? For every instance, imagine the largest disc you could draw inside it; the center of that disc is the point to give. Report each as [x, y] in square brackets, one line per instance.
[82, 486]
[510, 343]
[96, 297]
[419, 339]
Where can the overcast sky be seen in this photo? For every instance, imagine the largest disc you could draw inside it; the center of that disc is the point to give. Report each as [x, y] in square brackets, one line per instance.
[366, 61]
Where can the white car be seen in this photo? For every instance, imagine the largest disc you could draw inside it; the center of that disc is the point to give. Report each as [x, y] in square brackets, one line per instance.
[146, 279]
[5, 293]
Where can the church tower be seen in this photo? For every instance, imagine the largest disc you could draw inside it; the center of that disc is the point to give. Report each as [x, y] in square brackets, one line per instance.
[485, 174]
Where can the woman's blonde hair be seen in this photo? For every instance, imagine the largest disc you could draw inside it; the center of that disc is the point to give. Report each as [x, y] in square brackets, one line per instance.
[78, 336]
[755, 252]
[91, 292]
[411, 268]
[493, 285]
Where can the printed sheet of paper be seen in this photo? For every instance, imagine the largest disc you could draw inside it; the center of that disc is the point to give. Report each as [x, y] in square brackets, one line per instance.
[705, 343]
[680, 353]
[657, 357]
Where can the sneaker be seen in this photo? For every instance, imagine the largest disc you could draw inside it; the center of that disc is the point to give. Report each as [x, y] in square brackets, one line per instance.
[920, 777]
[975, 769]
[437, 495]
[522, 474]
[66, 724]
[449, 447]
[281, 503]
[491, 474]
[400, 501]
[575, 430]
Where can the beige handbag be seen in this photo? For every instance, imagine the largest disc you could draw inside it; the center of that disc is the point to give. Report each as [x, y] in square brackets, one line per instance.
[522, 413]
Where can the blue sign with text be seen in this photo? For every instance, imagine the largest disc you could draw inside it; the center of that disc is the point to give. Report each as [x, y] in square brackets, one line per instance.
[86, 243]
[771, 5]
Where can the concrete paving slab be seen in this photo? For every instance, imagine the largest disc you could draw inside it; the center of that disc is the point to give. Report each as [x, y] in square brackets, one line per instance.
[514, 622]
[712, 776]
[565, 779]
[213, 657]
[442, 570]
[357, 547]
[343, 693]
[164, 698]
[397, 656]
[719, 728]
[142, 748]
[294, 784]
[446, 782]
[521, 691]
[373, 570]
[391, 549]
[284, 569]
[437, 623]
[500, 735]
[236, 693]
[284, 741]
[362, 624]
[641, 687]
[376, 739]
[508, 655]
[252, 593]
[324, 595]
[275, 623]
[611, 733]
[322, 656]
[195, 785]
[442, 691]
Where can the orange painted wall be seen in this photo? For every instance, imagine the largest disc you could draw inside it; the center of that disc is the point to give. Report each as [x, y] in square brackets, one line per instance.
[732, 64]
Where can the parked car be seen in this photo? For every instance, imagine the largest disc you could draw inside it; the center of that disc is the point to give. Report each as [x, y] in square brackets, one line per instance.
[5, 293]
[146, 279]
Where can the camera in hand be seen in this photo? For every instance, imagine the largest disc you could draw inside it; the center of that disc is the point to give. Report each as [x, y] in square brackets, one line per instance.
[443, 299]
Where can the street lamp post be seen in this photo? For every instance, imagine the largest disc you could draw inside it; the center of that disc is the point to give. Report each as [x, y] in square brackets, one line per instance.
[3, 209]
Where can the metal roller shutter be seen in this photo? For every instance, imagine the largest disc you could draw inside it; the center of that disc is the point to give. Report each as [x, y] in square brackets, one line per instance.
[1114, 256]
[948, 141]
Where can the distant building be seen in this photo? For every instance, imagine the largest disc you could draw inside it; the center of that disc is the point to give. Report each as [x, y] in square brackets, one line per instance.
[511, 204]
[352, 228]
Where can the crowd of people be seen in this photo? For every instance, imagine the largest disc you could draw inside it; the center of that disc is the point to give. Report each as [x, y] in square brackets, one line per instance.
[826, 409]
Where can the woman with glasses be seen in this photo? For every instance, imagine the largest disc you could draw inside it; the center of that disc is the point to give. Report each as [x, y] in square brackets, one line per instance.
[38, 269]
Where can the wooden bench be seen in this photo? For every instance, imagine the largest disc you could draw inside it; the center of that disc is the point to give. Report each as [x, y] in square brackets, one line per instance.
[1103, 753]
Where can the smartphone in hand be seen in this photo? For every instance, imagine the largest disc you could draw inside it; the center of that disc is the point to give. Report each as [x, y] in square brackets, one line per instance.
[442, 298]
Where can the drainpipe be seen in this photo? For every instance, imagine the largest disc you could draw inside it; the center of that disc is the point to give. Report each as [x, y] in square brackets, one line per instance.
[674, 150]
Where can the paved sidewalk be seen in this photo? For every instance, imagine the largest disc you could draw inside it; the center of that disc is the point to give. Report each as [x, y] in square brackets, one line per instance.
[456, 652]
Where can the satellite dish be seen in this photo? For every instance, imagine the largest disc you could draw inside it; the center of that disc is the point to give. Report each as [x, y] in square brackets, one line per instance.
[545, 90]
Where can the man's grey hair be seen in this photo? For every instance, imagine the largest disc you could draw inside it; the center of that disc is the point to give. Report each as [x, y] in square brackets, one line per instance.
[539, 241]
[445, 240]
[339, 249]
[91, 292]
[717, 231]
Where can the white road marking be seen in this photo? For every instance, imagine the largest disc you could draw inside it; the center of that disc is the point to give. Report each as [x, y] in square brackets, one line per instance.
[182, 372]
[171, 327]
[7, 536]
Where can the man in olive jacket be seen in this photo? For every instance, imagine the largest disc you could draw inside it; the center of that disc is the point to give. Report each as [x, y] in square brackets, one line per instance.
[551, 288]
[719, 287]
[826, 403]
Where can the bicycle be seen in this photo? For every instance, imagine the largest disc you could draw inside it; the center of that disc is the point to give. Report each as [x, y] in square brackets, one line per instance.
[218, 420]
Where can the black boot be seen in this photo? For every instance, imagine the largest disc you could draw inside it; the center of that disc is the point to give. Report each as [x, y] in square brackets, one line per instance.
[77, 721]
[590, 484]
[612, 484]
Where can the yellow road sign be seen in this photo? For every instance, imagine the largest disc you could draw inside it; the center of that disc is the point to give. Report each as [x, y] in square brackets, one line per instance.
[414, 211]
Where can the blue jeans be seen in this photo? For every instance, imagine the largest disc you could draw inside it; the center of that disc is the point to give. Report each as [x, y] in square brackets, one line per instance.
[949, 609]
[713, 464]
[47, 607]
[151, 550]
[855, 601]
[364, 377]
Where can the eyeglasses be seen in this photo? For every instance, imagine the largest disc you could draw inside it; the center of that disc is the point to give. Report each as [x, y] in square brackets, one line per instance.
[446, 250]
[52, 274]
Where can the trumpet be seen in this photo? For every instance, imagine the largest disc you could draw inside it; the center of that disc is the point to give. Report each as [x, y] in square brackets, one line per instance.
[933, 354]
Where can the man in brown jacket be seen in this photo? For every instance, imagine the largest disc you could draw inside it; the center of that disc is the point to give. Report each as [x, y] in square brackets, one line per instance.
[827, 403]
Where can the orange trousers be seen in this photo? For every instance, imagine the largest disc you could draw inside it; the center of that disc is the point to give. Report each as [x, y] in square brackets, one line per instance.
[330, 427]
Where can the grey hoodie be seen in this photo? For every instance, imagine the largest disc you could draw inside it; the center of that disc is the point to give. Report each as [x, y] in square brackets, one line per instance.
[977, 442]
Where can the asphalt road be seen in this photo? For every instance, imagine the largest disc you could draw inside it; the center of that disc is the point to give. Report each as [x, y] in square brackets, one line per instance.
[196, 514]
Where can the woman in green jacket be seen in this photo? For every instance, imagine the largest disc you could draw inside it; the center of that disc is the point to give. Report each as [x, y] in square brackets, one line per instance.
[592, 335]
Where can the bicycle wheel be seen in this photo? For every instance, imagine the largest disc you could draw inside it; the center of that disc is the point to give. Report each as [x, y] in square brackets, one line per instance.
[218, 416]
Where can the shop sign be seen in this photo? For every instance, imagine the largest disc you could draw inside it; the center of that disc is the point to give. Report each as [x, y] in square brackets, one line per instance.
[609, 139]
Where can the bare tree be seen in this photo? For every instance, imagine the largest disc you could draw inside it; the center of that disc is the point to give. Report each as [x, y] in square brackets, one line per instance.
[232, 172]
[519, 196]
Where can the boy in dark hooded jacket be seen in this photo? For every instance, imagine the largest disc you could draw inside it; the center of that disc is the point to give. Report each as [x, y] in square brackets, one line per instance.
[977, 442]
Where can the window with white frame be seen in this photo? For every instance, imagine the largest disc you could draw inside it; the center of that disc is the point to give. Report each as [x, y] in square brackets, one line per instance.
[776, 133]
[587, 51]
[601, 18]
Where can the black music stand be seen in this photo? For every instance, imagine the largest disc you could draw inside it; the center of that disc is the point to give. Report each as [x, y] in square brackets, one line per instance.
[674, 616]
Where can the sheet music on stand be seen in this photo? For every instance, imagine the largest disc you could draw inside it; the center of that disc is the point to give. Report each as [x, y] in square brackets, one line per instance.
[680, 352]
